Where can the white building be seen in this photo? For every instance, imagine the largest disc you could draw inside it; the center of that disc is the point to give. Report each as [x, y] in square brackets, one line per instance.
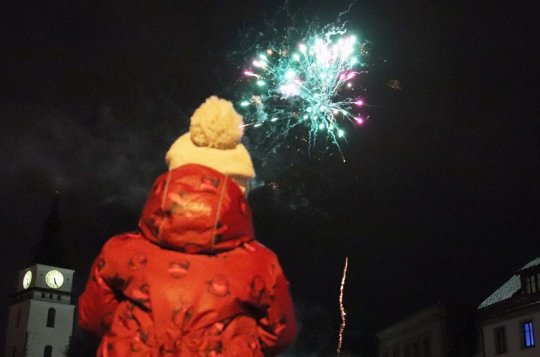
[40, 319]
[510, 317]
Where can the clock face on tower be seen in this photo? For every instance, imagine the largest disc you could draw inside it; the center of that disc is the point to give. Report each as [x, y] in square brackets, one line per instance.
[54, 279]
[27, 279]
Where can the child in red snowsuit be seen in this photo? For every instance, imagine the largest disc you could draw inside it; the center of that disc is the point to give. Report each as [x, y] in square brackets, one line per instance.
[193, 281]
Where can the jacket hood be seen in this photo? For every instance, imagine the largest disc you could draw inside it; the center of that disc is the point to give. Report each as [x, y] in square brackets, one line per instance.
[196, 209]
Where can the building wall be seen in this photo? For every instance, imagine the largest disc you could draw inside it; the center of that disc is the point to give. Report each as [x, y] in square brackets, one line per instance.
[16, 329]
[432, 334]
[39, 335]
[409, 337]
[514, 334]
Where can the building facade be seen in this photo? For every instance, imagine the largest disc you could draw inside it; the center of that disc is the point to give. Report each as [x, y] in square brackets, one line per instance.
[40, 319]
[510, 317]
[438, 331]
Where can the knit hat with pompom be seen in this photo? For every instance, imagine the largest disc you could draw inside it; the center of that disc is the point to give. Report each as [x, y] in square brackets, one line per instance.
[213, 140]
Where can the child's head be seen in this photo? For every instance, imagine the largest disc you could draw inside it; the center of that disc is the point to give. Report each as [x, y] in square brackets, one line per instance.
[213, 140]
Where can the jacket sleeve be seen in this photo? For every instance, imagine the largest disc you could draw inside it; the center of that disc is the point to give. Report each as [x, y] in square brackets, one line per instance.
[278, 329]
[98, 302]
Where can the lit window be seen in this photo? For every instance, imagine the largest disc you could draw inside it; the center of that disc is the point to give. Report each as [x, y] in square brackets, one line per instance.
[528, 334]
[50, 317]
[500, 340]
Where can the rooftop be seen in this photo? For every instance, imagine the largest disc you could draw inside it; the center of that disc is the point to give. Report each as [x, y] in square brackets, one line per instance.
[508, 289]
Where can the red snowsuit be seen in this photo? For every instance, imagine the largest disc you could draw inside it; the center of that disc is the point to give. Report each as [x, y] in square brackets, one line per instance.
[193, 282]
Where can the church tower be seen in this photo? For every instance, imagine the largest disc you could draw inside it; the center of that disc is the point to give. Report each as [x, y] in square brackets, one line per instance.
[40, 319]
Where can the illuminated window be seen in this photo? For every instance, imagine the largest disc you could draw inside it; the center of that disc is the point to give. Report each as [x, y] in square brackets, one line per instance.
[500, 340]
[47, 352]
[50, 317]
[528, 334]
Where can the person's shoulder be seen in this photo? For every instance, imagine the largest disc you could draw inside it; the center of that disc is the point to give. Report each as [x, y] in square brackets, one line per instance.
[257, 248]
[122, 241]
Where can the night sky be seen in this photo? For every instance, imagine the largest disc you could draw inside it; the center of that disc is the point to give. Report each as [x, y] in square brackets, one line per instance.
[437, 200]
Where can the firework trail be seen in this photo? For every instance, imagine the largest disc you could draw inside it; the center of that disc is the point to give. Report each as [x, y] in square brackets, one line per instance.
[341, 307]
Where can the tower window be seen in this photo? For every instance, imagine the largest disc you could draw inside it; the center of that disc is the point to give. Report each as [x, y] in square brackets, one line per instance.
[528, 334]
[500, 340]
[14, 351]
[47, 351]
[50, 317]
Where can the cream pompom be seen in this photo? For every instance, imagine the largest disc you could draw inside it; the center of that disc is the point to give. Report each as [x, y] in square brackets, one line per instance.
[214, 141]
[215, 124]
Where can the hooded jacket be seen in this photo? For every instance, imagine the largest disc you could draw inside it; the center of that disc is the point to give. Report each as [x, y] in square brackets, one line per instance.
[193, 281]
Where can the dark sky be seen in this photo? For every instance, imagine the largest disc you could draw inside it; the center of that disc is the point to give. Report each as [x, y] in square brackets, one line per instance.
[437, 200]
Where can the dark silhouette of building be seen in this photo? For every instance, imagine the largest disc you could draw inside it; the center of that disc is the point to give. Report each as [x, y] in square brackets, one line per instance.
[438, 331]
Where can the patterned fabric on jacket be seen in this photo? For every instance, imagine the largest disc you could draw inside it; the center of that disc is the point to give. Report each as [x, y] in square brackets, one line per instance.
[193, 281]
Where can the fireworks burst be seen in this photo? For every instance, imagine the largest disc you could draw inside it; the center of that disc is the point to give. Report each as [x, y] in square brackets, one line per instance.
[310, 87]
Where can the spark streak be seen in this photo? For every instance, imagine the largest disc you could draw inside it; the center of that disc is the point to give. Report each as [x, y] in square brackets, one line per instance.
[341, 307]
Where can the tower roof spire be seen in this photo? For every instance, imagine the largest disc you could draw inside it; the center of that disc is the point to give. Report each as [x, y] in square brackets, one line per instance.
[50, 249]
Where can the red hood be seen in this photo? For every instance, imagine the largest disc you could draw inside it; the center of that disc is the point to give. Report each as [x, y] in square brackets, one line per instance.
[196, 209]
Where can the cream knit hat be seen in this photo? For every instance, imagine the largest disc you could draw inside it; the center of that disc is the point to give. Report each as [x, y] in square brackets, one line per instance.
[213, 140]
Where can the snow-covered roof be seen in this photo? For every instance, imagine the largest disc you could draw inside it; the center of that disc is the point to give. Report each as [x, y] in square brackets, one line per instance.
[531, 264]
[508, 289]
